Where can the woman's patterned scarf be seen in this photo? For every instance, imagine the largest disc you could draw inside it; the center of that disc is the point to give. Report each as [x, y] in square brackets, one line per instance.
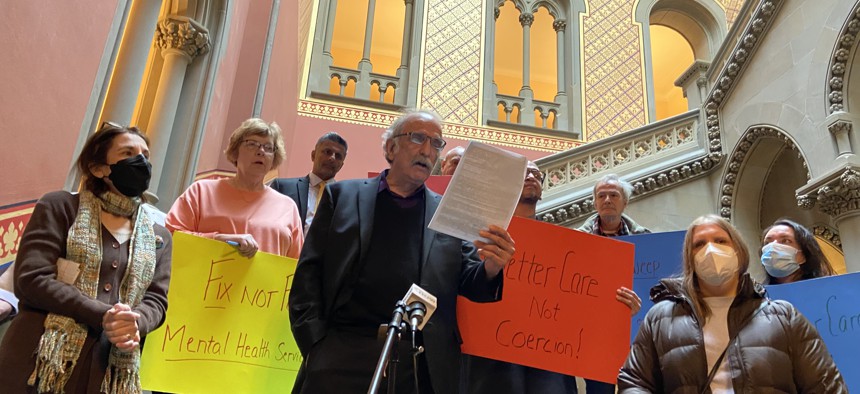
[60, 345]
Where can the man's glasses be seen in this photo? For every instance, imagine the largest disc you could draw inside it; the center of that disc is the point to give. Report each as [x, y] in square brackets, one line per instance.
[254, 146]
[419, 138]
[535, 173]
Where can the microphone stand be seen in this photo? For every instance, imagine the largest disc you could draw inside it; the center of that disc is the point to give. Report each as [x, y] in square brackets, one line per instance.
[389, 351]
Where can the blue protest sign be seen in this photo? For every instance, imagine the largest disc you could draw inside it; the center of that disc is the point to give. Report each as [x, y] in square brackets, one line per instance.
[658, 256]
[831, 305]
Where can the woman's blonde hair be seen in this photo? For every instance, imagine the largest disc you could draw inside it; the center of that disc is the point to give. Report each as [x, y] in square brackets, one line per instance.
[691, 284]
[257, 126]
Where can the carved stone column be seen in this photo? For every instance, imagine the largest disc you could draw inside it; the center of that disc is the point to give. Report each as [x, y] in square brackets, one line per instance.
[527, 115]
[526, 21]
[405, 53]
[838, 194]
[130, 63]
[561, 96]
[491, 110]
[694, 83]
[559, 26]
[180, 39]
[362, 88]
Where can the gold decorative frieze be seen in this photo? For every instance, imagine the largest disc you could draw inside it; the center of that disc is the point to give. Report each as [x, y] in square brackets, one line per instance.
[376, 118]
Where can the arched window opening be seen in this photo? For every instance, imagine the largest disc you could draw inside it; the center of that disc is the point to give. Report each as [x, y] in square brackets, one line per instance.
[543, 57]
[334, 85]
[528, 64]
[508, 63]
[671, 55]
[682, 38]
[370, 43]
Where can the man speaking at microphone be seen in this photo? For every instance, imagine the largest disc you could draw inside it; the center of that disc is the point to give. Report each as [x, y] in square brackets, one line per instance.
[367, 245]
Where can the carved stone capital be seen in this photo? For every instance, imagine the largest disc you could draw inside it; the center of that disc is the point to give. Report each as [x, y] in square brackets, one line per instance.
[526, 19]
[840, 127]
[496, 12]
[559, 25]
[827, 233]
[837, 196]
[182, 34]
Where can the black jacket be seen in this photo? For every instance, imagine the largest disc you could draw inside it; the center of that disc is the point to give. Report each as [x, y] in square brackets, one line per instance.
[339, 238]
[777, 349]
[297, 189]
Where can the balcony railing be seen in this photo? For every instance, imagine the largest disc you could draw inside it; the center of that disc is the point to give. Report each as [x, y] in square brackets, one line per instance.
[650, 157]
[546, 111]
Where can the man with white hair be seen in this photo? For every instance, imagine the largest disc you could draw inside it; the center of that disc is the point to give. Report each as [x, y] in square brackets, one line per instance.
[452, 159]
[369, 243]
[611, 195]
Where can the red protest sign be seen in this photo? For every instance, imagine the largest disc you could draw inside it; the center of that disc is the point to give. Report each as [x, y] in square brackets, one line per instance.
[558, 310]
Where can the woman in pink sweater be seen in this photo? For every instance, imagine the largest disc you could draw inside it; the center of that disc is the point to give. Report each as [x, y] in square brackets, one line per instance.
[241, 210]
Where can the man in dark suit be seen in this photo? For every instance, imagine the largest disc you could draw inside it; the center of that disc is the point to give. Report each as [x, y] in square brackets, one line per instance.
[328, 157]
[367, 245]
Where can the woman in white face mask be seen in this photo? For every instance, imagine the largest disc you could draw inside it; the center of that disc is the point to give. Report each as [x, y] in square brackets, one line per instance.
[790, 253]
[713, 329]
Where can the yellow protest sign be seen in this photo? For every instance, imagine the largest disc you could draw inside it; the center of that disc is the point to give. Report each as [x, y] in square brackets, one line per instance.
[227, 328]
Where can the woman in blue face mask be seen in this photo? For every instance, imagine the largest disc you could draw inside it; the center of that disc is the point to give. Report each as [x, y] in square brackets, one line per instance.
[91, 275]
[791, 253]
[713, 330]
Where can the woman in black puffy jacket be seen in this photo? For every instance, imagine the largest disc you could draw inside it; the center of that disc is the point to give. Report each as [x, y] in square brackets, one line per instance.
[713, 329]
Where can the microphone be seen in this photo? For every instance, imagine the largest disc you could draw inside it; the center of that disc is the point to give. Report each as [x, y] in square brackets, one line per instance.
[421, 305]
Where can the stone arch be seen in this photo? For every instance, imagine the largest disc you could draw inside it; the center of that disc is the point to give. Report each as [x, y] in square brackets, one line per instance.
[701, 22]
[759, 182]
[841, 70]
[555, 9]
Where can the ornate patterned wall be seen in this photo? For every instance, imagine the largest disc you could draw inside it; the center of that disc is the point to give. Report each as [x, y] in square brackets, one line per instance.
[732, 7]
[613, 89]
[12, 221]
[452, 58]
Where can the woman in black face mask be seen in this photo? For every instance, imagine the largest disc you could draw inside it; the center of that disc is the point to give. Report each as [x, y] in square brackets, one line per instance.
[91, 274]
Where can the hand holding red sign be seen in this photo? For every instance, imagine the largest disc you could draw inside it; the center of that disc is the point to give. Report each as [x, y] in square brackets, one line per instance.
[559, 310]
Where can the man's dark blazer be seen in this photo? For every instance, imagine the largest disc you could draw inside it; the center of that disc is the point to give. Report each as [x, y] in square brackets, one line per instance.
[297, 189]
[339, 238]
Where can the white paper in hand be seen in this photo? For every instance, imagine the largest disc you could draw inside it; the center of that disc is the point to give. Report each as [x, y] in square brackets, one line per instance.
[484, 191]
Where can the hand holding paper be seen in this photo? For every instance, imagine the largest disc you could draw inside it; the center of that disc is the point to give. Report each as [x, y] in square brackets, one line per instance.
[484, 191]
[496, 253]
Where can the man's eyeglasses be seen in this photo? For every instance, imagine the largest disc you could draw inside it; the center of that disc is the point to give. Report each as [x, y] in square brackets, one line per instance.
[535, 173]
[256, 145]
[419, 138]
